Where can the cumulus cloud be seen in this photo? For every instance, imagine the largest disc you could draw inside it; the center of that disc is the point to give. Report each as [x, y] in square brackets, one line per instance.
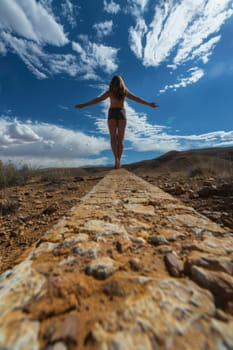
[94, 56]
[103, 28]
[30, 20]
[111, 7]
[44, 143]
[27, 27]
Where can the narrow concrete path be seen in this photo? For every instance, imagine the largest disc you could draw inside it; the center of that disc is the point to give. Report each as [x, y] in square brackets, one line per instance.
[129, 268]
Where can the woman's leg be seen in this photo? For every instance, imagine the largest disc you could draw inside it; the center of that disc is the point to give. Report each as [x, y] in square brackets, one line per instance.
[112, 126]
[120, 137]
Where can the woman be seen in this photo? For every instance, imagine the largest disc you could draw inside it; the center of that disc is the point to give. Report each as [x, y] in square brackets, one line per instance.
[117, 93]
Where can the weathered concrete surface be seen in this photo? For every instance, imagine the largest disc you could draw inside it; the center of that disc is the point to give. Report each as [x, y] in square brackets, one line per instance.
[99, 278]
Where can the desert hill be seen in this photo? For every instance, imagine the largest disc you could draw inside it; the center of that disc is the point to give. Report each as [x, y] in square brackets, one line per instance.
[218, 161]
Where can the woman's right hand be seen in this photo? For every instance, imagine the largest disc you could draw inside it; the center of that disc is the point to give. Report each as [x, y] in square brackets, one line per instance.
[153, 105]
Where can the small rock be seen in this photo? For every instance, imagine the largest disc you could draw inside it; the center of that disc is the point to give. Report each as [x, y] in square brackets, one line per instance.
[114, 288]
[164, 249]
[174, 265]
[51, 209]
[176, 190]
[90, 249]
[219, 283]
[101, 268]
[135, 264]
[157, 239]
[123, 245]
[139, 240]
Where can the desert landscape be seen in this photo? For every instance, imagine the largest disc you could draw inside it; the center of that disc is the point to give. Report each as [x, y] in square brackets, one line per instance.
[100, 259]
[202, 179]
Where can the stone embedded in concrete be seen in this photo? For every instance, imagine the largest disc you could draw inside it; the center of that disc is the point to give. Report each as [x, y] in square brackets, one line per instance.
[90, 249]
[194, 221]
[219, 283]
[101, 268]
[21, 284]
[19, 332]
[170, 234]
[99, 227]
[175, 266]
[210, 261]
[158, 239]
[212, 245]
[16, 289]
[140, 209]
[168, 315]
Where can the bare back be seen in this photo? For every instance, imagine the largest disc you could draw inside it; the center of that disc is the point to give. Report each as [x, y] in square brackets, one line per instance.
[116, 102]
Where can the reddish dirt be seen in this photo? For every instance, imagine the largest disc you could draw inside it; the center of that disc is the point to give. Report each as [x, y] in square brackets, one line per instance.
[28, 211]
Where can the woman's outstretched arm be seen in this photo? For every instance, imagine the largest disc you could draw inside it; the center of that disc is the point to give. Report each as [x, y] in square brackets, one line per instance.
[94, 101]
[140, 100]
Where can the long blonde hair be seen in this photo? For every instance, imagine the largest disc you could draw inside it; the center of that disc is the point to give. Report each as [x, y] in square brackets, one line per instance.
[117, 87]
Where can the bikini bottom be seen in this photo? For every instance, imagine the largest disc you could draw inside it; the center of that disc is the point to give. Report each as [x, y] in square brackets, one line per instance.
[117, 113]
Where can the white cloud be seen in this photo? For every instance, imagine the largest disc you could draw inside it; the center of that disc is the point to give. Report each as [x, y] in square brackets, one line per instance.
[15, 133]
[182, 28]
[30, 20]
[135, 37]
[47, 4]
[103, 28]
[27, 27]
[137, 7]
[111, 7]
[205, 50]
[180, 31]
[3, 49]
[195, 75]
[94, 56]
[69, 11]
[41, 64]
[44, 144]
[143, 136]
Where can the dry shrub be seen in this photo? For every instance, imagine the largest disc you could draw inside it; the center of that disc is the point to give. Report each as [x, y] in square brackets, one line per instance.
[10, 175]
[8, 206]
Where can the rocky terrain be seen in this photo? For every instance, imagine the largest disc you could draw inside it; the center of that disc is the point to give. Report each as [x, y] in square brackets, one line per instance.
[28, 211]
[129, 267]
[202, 179]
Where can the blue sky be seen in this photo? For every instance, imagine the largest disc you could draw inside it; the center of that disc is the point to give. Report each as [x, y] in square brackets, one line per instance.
[54, 54]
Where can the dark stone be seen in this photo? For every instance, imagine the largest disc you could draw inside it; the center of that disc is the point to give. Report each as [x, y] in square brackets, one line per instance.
[157, 239]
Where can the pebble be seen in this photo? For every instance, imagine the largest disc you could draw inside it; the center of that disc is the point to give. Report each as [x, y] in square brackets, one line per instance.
[101, 268]
[135, 264]
[157, 239]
